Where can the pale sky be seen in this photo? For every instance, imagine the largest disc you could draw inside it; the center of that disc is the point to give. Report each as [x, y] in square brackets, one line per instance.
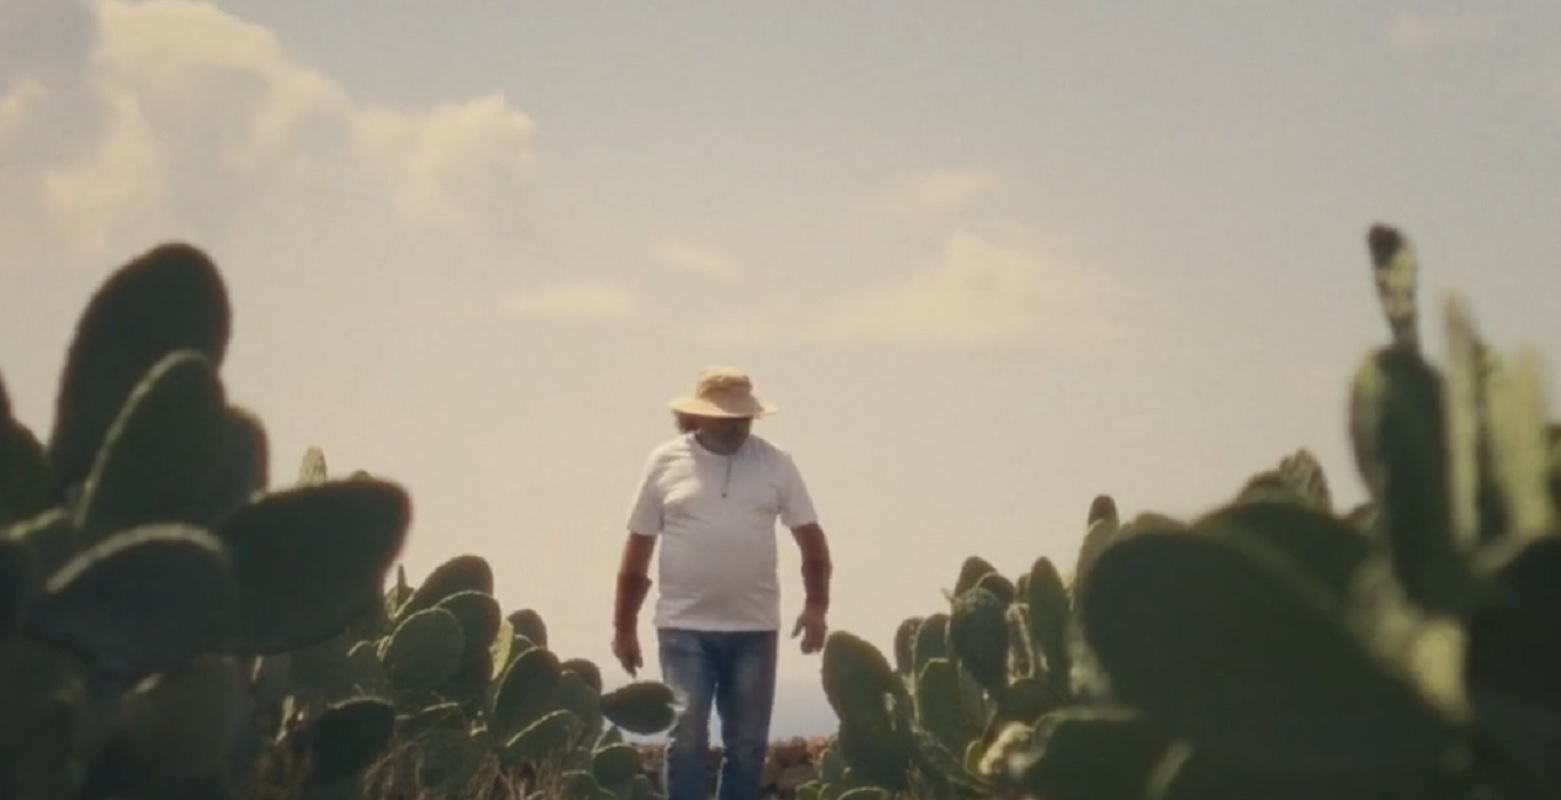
[990, 259]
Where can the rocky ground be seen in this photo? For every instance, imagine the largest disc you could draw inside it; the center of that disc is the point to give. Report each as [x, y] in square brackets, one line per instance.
[790, 763]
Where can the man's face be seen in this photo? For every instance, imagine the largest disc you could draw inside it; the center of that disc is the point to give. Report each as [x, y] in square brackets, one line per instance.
[724, 435]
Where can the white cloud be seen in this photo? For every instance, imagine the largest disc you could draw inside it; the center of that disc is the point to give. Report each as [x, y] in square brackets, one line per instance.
[1414, 33]
[580, 300]
[203, 125]
[689, 256]
[979, 293]
[15, 105]
[928, 195]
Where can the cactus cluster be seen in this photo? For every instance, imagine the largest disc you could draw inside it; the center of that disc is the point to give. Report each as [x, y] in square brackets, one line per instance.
[1004, 650]
[147, 573]
[478, 694]
[173, 627]
[1274, 646]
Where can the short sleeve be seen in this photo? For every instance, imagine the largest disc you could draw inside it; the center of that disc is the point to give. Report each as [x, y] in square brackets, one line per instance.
[645, 505]
[796, 506]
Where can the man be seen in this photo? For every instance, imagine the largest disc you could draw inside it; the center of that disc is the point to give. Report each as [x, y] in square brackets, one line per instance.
[712, 496]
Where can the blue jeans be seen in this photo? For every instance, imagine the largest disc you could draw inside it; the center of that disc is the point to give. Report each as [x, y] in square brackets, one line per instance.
[734, 671]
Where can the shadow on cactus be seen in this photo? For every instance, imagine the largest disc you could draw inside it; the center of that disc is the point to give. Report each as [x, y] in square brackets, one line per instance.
[146, 571]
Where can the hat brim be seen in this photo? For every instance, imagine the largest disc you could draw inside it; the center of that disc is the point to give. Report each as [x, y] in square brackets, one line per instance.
[701, 407]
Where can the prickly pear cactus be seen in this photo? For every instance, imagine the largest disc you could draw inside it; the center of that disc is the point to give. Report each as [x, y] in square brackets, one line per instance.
[151, 583]
[475, 701]
[1273, 647]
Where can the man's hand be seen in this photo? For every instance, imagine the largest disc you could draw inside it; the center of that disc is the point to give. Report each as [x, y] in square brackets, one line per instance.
[812, 627]
[633, 584]
[626, 648]
[816, 569]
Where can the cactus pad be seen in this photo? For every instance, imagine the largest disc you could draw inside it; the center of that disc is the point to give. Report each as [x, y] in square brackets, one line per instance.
[859, 683]
[905, 646]
[312, 559]
[978, 632]
[1050, 613]
[479, 615]
[243, 467]
[615, 764]
[141, 601]
[589, 673]
[347, 738]
[1397, 425]
[971, 571]
[640, 707]
[180, 725]
[423, 652]
[1289, 685]
[528, 623]
[1089, 753]
[541, 740]
[525, 691]
[168, 299]
[159, 454]
[26, 480]
[464, 573]
[20, 581]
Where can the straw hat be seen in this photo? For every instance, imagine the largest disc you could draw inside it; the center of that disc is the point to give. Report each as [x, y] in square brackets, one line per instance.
[722, 392]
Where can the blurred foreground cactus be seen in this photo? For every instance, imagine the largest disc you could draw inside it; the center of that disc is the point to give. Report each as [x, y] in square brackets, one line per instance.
[173, 628]
[1275, 646]
[147, 574]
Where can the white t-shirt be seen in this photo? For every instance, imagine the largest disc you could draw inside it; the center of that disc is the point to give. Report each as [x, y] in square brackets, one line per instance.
[715, 516]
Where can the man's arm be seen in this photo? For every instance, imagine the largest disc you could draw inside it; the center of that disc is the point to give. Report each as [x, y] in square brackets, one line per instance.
[816, 565]
[633, 581]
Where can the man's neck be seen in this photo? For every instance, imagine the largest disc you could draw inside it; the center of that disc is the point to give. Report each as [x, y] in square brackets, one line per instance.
[720, 450]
